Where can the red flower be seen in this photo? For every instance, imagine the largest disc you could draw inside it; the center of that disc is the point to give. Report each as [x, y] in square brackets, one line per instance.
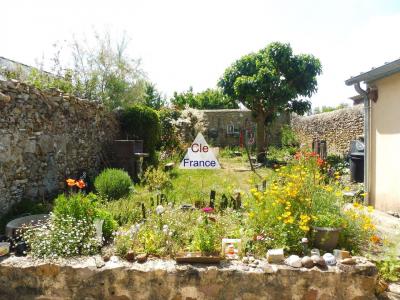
[80, 183]
[320, 161]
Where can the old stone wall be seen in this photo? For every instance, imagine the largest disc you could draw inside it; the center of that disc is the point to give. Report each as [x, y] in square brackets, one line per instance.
[46, 137]
[225, 126]
[338, 128]
[91, 278]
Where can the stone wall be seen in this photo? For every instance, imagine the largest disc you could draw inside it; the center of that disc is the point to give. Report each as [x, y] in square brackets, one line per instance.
[46, 137]
[338, 128]
[224, 127]
[91, 278]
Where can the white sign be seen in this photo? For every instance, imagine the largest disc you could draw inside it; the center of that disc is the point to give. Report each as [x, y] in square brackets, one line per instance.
[199, 156]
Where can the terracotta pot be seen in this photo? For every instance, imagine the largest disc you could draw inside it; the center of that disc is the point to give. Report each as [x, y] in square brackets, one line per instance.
[325, 238]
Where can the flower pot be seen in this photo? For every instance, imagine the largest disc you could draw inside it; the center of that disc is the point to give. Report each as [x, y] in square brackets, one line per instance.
[325, 238]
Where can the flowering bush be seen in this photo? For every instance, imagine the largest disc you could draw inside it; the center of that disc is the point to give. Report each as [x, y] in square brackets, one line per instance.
[297, 198]
[62, 236]
[83, 207]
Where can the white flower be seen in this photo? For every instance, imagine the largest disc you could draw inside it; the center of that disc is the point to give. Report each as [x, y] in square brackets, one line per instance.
[160, 209]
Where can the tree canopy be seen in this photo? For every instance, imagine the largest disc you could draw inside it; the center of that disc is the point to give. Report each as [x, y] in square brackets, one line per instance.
[208, 99]
[271, 81]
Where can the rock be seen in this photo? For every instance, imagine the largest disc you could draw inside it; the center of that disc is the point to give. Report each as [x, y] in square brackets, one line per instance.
[141, 258]
[348, 261]
[307, 262]
[341, 254]
[275, 256]
[318, 261]
[4, 98]
[130, 256]
[330, 259]
[394, 288]
[106, 257]
[294, 261]
[245, 259]
[251, 259]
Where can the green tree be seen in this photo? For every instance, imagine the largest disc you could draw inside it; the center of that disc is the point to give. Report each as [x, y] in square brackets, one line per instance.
[180, 100]
[271, 81]
[208, 99]
[152, 97]
[213, 99]
[100, 70]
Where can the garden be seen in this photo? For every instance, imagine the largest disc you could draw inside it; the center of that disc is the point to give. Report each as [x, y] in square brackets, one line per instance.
[296, 208]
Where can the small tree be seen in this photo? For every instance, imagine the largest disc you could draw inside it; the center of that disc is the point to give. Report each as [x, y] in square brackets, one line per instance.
[153, 97]
[271, 81]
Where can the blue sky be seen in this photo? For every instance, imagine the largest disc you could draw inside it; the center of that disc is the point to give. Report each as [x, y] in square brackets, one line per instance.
[190, 43]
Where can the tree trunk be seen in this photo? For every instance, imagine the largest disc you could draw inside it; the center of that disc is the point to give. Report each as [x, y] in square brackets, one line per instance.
[260, 137]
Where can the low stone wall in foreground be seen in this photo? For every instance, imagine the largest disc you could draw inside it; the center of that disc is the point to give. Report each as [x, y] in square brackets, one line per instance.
[91, 278]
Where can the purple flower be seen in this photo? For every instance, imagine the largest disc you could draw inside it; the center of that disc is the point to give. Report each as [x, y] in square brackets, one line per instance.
[208, 209]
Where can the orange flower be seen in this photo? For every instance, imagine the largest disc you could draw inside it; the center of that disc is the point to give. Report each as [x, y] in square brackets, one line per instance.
[375, 239]
[71, 182]
[80, 183]
[320, 161]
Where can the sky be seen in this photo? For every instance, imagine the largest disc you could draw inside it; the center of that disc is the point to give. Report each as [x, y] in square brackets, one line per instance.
[183, 43]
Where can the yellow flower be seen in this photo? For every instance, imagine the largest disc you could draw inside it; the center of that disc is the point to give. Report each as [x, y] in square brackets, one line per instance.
[370, 208]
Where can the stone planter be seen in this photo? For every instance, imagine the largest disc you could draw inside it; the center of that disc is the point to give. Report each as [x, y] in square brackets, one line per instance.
[325, 238]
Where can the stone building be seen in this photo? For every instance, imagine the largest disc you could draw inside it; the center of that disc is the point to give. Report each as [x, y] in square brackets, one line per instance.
[232, 127]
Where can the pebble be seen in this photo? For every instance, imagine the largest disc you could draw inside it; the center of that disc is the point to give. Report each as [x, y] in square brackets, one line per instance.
[141, 258]
[130, 256]
[293, 261]
[330, 260]
[348, 261]
[319, 261]
[307, 262]
[245, 259]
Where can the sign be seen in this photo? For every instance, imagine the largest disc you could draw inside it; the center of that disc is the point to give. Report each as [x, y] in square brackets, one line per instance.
[199, 156]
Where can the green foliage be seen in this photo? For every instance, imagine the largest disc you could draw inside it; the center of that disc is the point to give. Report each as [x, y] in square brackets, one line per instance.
[156, 179]
[208, 99]
[206, 238]
[318, 110]
[127, 210]
[389, 269]
[102, 72]
[288, 138]
[153, 98]
[83, 207]
[113, 183]
[280, 155]
[141, 122]
[169, 139]
[270, 81]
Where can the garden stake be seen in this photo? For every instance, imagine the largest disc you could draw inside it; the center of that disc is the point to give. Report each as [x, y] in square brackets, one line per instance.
[212, 198]
[143, 212]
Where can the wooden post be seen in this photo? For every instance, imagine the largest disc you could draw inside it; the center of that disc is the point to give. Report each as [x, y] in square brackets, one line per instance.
[212, 198]
[143, 211]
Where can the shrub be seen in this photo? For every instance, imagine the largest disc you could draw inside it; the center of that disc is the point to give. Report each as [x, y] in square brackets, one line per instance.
[169, 140]
[141, 122]
[156, 179]
[62, 236]
[83, 207]
[113, 183]
[288, 138]
[299, 197]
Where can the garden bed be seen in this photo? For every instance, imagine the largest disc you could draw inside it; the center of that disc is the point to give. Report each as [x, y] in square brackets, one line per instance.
[92, 278]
